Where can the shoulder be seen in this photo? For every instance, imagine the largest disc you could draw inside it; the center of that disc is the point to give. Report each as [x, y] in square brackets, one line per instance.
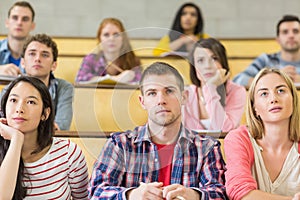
[64, 84]
[239, 134]
[236, 88]
[128, 136]
[165, 38]
[3, 45]
[205, 142]
[191, 89]
[65, 145]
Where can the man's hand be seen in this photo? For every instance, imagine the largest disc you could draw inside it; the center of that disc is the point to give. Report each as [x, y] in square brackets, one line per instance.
[177, 191]
[146, 191]
[290, 70]
[9, 70]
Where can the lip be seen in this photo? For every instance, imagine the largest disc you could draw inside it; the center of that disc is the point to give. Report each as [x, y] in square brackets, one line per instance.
[37, 66]
[208, 75]
[162, 111]
[275, 109]
[19, 119]
[19, 29]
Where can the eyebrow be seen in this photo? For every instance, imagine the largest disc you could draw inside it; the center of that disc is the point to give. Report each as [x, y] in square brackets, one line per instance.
[279, 86]
[28, 97]
[168, 87]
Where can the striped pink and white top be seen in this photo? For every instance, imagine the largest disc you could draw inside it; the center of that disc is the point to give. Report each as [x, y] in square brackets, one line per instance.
[60, 174]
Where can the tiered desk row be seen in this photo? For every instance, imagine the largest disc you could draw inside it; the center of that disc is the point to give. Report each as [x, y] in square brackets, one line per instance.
[101, 110]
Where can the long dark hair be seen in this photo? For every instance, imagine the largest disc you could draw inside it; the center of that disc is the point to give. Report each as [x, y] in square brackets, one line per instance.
[177, 30]
[219, 51]
[45, 128]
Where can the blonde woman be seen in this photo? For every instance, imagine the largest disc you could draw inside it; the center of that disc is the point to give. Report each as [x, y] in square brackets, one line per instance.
[263, 158]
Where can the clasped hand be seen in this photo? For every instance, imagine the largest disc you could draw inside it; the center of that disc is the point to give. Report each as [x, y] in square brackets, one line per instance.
[156, 191]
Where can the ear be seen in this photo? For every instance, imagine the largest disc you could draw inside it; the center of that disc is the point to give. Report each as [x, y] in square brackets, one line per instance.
[256, 113]
[54, 65]
[46, 114]
[6, 23]
[23, 63]
[277, 40]
[141, 99]
[184, 97]
[32, 26]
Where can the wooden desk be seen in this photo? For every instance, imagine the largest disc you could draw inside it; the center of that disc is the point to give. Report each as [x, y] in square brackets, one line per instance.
[91, 142]
[107, 134]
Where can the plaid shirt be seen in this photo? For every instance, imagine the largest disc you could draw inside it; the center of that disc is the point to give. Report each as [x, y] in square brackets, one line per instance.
[131, 157]
[95, 65]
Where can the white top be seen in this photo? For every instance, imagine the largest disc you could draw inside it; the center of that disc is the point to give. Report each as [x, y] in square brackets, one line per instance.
[60, 174]
[288, 181]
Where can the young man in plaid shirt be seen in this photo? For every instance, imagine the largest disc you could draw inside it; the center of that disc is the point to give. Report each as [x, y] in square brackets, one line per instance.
[161, 160]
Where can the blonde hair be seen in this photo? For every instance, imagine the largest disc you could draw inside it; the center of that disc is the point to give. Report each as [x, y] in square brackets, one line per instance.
[255, 123]
[127, 59]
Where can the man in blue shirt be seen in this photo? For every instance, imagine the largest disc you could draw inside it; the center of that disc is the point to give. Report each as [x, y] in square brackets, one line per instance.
[19, 23]
[287, 59]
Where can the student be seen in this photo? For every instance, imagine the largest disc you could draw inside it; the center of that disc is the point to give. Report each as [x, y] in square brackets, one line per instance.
[263, 158]
[49, 168]
[161, 159]
[214, 102]
[187, 28]
[39, 59]
[287, 59]
[113, 56]
[19, 23]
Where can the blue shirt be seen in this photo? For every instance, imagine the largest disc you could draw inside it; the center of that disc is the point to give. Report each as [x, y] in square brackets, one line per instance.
[264, 60]
[5, 54]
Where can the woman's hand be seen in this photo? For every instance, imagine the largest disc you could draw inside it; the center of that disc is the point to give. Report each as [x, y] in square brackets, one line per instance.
[9, 133]
[125, 77]
[219, 78]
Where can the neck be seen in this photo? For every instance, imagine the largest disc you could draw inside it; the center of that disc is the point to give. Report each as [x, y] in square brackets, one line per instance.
[44, 79]
[189, 32]
[165, 134]
[276, 136]
[15, 46]
[290, 56]
[111, 56]
[30, 144]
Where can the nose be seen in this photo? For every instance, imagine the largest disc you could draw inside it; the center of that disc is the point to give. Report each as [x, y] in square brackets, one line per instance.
[20, 108]
[161, 99]
[19, 20]
[37, 57]
[274, 98]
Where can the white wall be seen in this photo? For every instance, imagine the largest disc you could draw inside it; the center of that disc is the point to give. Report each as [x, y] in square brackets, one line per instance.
[223, 18]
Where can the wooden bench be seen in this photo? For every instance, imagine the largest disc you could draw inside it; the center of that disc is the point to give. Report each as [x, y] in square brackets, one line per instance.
[68, 66]
[106, 109]
[244, 47]
[236, 47]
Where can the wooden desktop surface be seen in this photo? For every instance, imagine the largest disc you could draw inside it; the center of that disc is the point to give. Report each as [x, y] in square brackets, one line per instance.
[98, 134]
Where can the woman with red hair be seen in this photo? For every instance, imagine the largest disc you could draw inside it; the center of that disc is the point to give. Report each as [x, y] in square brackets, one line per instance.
[113, 56]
